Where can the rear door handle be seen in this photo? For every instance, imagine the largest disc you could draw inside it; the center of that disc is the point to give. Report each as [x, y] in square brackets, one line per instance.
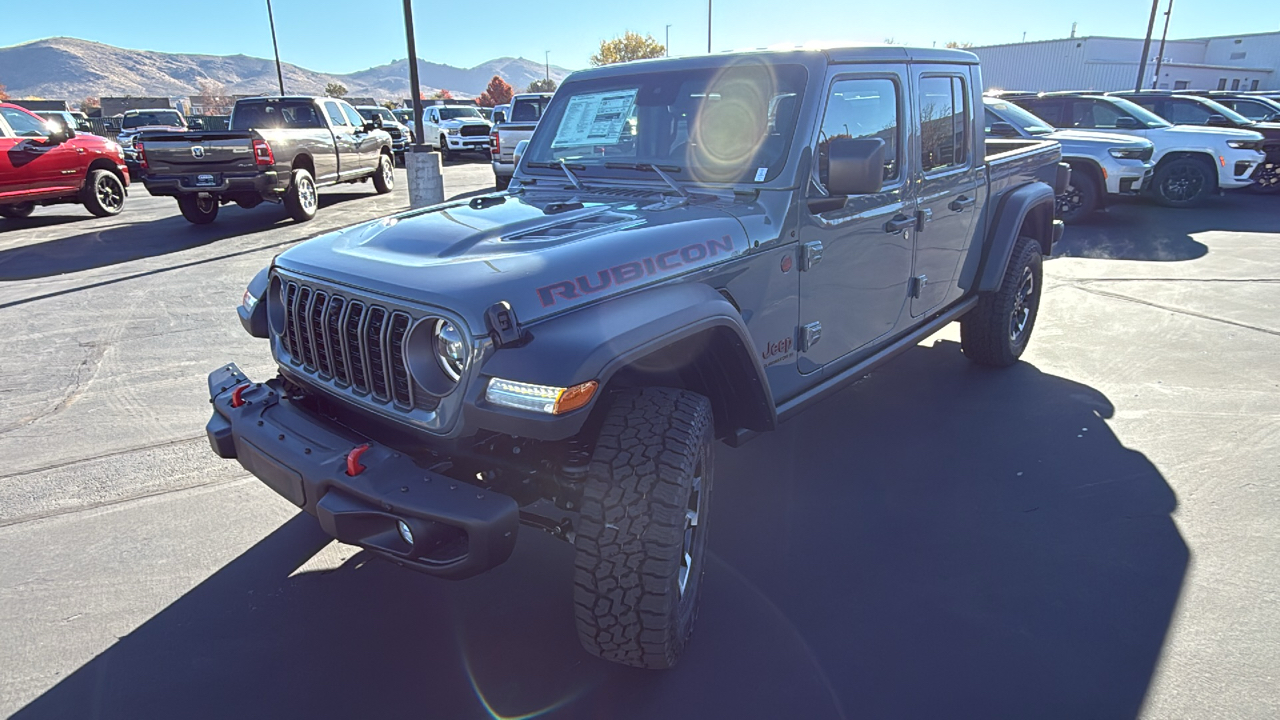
[899, 223]
[960, 203]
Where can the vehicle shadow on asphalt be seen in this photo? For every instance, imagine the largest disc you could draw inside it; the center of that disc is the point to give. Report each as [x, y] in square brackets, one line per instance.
[1138, 229]
[135, 241]
[939, 541]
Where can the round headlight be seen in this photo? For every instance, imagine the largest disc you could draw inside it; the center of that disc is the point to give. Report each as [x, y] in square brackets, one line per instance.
[450, 349]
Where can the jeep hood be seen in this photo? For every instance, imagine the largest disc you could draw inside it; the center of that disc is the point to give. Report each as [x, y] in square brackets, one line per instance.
[542, 257]
[1094, 138]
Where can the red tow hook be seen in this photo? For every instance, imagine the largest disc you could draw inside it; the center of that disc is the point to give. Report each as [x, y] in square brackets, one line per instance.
[236, 400]
[353, 459]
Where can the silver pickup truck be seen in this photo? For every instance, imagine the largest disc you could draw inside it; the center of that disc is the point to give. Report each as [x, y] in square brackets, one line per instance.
[522, 117]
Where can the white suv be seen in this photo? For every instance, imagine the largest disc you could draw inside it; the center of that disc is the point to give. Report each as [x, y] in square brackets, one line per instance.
[1192, 162]
[456, 128]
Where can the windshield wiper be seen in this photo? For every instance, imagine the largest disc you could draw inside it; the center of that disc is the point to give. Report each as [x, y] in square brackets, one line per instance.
[658, 170]
[577, 184]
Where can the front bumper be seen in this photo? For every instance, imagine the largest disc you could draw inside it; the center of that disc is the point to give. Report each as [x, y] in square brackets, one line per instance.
[1129, 177]
[468, 142]
[1236, 169]
[458, 529]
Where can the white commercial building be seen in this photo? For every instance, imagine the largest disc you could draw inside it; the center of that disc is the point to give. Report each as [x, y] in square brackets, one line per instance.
[1230, 62]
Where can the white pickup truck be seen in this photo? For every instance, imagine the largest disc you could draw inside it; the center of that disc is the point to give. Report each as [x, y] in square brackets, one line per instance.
[522, 117]
[455, 128]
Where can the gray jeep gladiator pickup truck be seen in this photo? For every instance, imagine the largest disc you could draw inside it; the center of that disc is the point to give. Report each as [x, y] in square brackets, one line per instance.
[277, 149]
[691, 251]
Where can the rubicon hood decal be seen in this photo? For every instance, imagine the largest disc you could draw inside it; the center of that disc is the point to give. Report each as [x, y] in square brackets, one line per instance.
[660, 264]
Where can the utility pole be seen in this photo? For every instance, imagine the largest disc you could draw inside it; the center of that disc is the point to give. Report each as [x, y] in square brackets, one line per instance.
[546, 58]
[667, 46]
[1160, 55]
[1146, 45]
[708, 27]
[426, 183]
[272, 19]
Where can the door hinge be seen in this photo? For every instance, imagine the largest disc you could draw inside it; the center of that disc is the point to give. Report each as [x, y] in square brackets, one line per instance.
[810, 335]
[916, 287]
[810, 255]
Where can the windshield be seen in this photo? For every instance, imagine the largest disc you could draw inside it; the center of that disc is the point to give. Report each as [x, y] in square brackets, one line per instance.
[275, 114]
[143, 119]
[1226, 112]
[724, 125]
[450, 113]
[1143, 115]
[1014, 115]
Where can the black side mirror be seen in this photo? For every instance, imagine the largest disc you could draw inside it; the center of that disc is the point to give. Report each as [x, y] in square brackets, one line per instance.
[855, 167]
[1218, 121]
[372, 125]
[1003, 129]
[1125, 122]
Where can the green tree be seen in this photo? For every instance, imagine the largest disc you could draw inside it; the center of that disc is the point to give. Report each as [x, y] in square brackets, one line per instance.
[499, 92]
[335, 90]
[542, 85]
[959, 45]
[631, 46]
[390, 104]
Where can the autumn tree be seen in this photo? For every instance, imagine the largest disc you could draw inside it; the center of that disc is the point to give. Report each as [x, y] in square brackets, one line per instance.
[214, 98]
[631, 46]
[90, 103]
[542, 85]
[3, 95]
[499, 92]
[335, 90]
[442, 95]
[959, 45]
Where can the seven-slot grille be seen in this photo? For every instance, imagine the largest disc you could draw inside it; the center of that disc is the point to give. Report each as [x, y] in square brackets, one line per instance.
[351, 342]
[474, 130]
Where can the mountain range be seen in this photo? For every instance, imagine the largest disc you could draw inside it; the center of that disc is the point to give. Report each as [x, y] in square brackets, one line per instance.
[72, 69]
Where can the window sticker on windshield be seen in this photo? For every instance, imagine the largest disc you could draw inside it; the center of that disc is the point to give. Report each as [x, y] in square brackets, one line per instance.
[595, 119]
[761, 173]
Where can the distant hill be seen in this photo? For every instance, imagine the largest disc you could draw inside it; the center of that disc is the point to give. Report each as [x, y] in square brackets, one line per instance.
[74, 69]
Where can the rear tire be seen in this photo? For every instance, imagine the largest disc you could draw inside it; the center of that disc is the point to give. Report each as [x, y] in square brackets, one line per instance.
[301, 199]
[502, 182]
[102, 193]
[1184, 182]
[997, 330]
[384, 178]
[198, 210]
[642, 532]
[1081, 198]
[17, 211]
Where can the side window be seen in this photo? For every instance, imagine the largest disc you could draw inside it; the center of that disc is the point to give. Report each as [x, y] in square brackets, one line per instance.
[944, 123]
[353, 117]
[1086, 113]
[334, 113]
[1186, 112]
[861, 109]
[24, 125]
[1048, 110]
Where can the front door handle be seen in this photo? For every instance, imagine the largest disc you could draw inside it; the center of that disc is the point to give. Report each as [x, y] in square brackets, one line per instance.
[960, 203]
[899, 223]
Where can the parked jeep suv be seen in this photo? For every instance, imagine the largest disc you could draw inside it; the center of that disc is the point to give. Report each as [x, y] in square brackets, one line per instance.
[692, 250]
[1192, 163]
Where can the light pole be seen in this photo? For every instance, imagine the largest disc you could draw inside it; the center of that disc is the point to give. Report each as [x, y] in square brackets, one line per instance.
[1146, 45]
[271, 19]
[708, 27]
[426, 184]
[1155, 81]
[667, 47]
[546, 58]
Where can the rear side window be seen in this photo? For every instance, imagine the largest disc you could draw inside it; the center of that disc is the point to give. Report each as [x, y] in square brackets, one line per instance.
[334, 113]
[944, 123]
[282, 114]
[861, 108]
[528, 109]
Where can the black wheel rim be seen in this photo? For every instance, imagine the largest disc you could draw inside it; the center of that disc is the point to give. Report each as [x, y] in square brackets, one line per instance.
[1268, 176]
[1020, 318]
[1183, 183]
[110, 193]
[1070, 202]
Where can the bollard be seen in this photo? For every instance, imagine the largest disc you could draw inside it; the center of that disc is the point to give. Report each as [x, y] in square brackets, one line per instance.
[426, 184]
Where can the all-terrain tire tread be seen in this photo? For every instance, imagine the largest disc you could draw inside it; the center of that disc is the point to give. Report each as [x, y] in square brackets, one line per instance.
[984, 330]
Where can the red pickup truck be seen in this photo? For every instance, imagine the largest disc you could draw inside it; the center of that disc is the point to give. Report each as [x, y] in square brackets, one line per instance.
[45, 163]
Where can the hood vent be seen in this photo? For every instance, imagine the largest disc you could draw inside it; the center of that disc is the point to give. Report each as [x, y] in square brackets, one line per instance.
[581, 226]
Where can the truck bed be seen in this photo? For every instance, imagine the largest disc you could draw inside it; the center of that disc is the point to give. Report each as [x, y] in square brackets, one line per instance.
[1016, 161]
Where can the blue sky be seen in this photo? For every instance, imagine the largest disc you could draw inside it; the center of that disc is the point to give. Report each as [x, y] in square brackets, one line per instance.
[357, 34]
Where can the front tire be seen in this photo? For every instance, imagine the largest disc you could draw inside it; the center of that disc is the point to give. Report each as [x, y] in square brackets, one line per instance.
[642, 532]
[445, 153]
[384, 178]
[997, 330]
[198, 209]
[102, 194]
[301, 199]
[17, 211]
[1266, 180]
[1081, 198]
[1183, 183]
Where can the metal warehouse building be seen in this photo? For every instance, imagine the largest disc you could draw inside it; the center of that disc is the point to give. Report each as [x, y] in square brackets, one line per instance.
[1231, 62]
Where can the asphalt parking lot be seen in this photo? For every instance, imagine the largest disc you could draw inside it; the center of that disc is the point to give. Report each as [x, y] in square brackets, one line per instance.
[1090, 534]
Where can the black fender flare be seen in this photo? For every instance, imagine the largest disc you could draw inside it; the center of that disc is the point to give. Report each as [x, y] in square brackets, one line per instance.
[1018, 208]
[687, 322]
